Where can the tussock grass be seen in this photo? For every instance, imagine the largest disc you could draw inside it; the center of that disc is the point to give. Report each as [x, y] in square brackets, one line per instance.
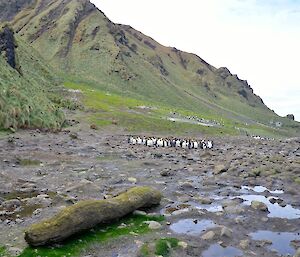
[25, 100]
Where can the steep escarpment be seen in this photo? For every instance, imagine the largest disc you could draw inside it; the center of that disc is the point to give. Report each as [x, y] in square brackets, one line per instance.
[25, 83]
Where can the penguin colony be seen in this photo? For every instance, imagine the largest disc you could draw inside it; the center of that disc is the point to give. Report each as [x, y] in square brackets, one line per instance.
[173, 142]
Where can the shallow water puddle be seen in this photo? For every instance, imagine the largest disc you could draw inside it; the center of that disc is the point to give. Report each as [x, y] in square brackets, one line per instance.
[178, 208]
[192, 227]
[213, 207]
[260, 189]
[216, 250]
[276, 211]
[210, 207]
[280, 240]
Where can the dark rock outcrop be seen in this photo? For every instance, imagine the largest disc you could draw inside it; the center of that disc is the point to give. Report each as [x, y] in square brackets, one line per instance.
[7, 45]
[290, 116]
[87, 214]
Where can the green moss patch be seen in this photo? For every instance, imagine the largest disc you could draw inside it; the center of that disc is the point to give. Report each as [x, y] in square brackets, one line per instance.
[160, 247]
[297, 180]
[134, 224]
[28, 162]
[2, 251]
[163, 246]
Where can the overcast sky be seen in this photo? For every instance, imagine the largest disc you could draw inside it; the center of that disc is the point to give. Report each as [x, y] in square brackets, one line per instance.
[259, 40]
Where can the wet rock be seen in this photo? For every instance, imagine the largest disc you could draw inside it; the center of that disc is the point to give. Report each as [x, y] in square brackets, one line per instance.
[153, 224]
[226, 232]
[14, 251]
[131, 154]
[73, 135]
[297, 254]
[166, 173]
[19, 221]
[221, 168]
[132, 180]
[87, 214]
[183, 244]
[257, 205]
[138, 212]
[184, 198]
[244, 244]
[80, 186]
[93, 126]
[41, 200]
[158, 155]
[203, 200]
[179, 212]
[210, 235]
[234, 209]
[187, 185]
[11, 204]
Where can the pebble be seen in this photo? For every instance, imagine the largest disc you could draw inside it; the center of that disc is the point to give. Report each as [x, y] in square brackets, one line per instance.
[138, 212]
[209, 235]
[14, 251]
[153, 224]
[226, 232]
[244, 244]
[132, 180]
[183, 244]
[203, 200]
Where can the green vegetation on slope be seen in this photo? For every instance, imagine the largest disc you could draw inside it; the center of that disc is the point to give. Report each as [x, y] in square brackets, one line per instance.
[137, 116]
[25, 93]
[79, 41]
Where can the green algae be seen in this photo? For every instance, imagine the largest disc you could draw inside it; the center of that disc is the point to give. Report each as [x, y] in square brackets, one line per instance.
[2, 251]
[163, 246]
[160, 247]
[29, 162]
[75, 245]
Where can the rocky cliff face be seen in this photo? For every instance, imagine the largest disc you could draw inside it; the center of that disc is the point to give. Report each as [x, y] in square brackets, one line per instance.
[7, 46]
[8, 9]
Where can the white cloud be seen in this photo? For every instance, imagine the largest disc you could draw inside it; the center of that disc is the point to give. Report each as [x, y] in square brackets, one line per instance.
[257, 39]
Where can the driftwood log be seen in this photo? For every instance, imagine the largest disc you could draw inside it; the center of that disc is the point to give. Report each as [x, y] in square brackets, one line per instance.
[87, 214]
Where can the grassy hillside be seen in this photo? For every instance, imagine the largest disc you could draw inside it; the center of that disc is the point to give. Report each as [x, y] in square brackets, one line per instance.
[82, 44]
[25, 92]
[103, 109]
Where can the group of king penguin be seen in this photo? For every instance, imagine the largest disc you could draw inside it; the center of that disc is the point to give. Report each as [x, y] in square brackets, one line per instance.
[171, 142]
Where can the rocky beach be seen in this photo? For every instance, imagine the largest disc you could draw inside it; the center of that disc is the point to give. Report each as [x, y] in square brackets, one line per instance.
[240, 198]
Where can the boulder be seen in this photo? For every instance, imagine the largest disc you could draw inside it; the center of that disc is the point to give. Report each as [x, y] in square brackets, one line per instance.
[153, 224]
[87, 214]
[259, 206]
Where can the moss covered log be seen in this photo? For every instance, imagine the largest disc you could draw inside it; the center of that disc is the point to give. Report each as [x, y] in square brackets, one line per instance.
[87, 214]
